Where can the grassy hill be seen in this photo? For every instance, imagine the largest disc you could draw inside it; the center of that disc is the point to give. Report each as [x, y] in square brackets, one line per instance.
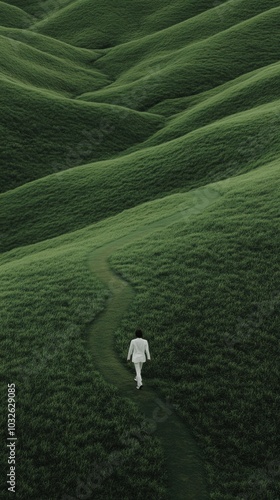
[174, 62]
[115, 119]
[222, 323]
[53, 133]
[13, 17]
[194, 68]
[106, 24]
[52, 205]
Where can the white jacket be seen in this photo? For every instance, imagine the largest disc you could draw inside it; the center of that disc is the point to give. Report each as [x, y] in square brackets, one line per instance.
[139, 349]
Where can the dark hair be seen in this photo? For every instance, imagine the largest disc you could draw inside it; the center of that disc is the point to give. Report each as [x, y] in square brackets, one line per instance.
[139, 333]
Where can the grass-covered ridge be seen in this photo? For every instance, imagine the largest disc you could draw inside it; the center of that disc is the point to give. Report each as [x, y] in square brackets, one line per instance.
[137, 74]
[49, 45]
[216, 277]
[45, 337]
[206, 252]
[24, 64]
[70, 200]
[105, 24]
[190, 34]
[192, 69]
[13, 17]
[53, 133]
[260, 87]
[151, 128]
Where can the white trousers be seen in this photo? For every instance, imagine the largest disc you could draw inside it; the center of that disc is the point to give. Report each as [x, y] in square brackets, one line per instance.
[138, 368]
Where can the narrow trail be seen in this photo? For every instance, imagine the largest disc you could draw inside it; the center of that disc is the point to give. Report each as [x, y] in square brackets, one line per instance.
[186, 479]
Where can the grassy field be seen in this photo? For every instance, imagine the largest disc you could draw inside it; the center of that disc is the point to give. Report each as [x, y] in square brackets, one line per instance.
[152, 127]
[227, 147]
[47, 146]
[70, 424]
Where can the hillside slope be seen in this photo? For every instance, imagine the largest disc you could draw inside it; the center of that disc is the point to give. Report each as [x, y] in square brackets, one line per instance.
[105, 24]
[206, 287]
[177, 53]
[13, 17]
[69, 200]
[193, 68]
[53, 133]
[148, 131]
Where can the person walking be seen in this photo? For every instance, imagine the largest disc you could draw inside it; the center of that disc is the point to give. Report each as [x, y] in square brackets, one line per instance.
[138, 349]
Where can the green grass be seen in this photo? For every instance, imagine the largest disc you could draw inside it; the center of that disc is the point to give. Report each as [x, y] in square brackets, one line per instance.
[104, 24]
[13, 17]
[40, 9]
[191, 69]
[52, 205]
[70, 133]
[184, 36]
[259, 88]
[50, 46]
[116, 120]
[78, 422]
[136, 74]
[185, 471]
[203, 289]
[27, 65]
[216, 279]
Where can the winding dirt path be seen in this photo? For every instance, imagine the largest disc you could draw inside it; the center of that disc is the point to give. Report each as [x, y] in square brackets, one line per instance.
[186, 479]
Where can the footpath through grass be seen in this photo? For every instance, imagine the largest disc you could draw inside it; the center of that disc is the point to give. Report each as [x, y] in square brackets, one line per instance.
[186, 476]
[162, 98]
[206, 297]
[70, 425]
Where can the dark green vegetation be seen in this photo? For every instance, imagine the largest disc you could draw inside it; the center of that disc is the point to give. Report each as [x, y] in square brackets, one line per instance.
[115, 116]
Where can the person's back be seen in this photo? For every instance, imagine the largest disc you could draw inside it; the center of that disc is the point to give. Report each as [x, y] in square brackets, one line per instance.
[140, 348]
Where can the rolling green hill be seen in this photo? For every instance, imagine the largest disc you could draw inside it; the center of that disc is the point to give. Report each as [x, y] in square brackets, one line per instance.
[52, 205]
[193, 68]
[13, 17]
[108, 24]
[149, 131]
[53, 133]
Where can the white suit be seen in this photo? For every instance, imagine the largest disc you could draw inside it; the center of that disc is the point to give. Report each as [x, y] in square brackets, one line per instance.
[139, 349]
